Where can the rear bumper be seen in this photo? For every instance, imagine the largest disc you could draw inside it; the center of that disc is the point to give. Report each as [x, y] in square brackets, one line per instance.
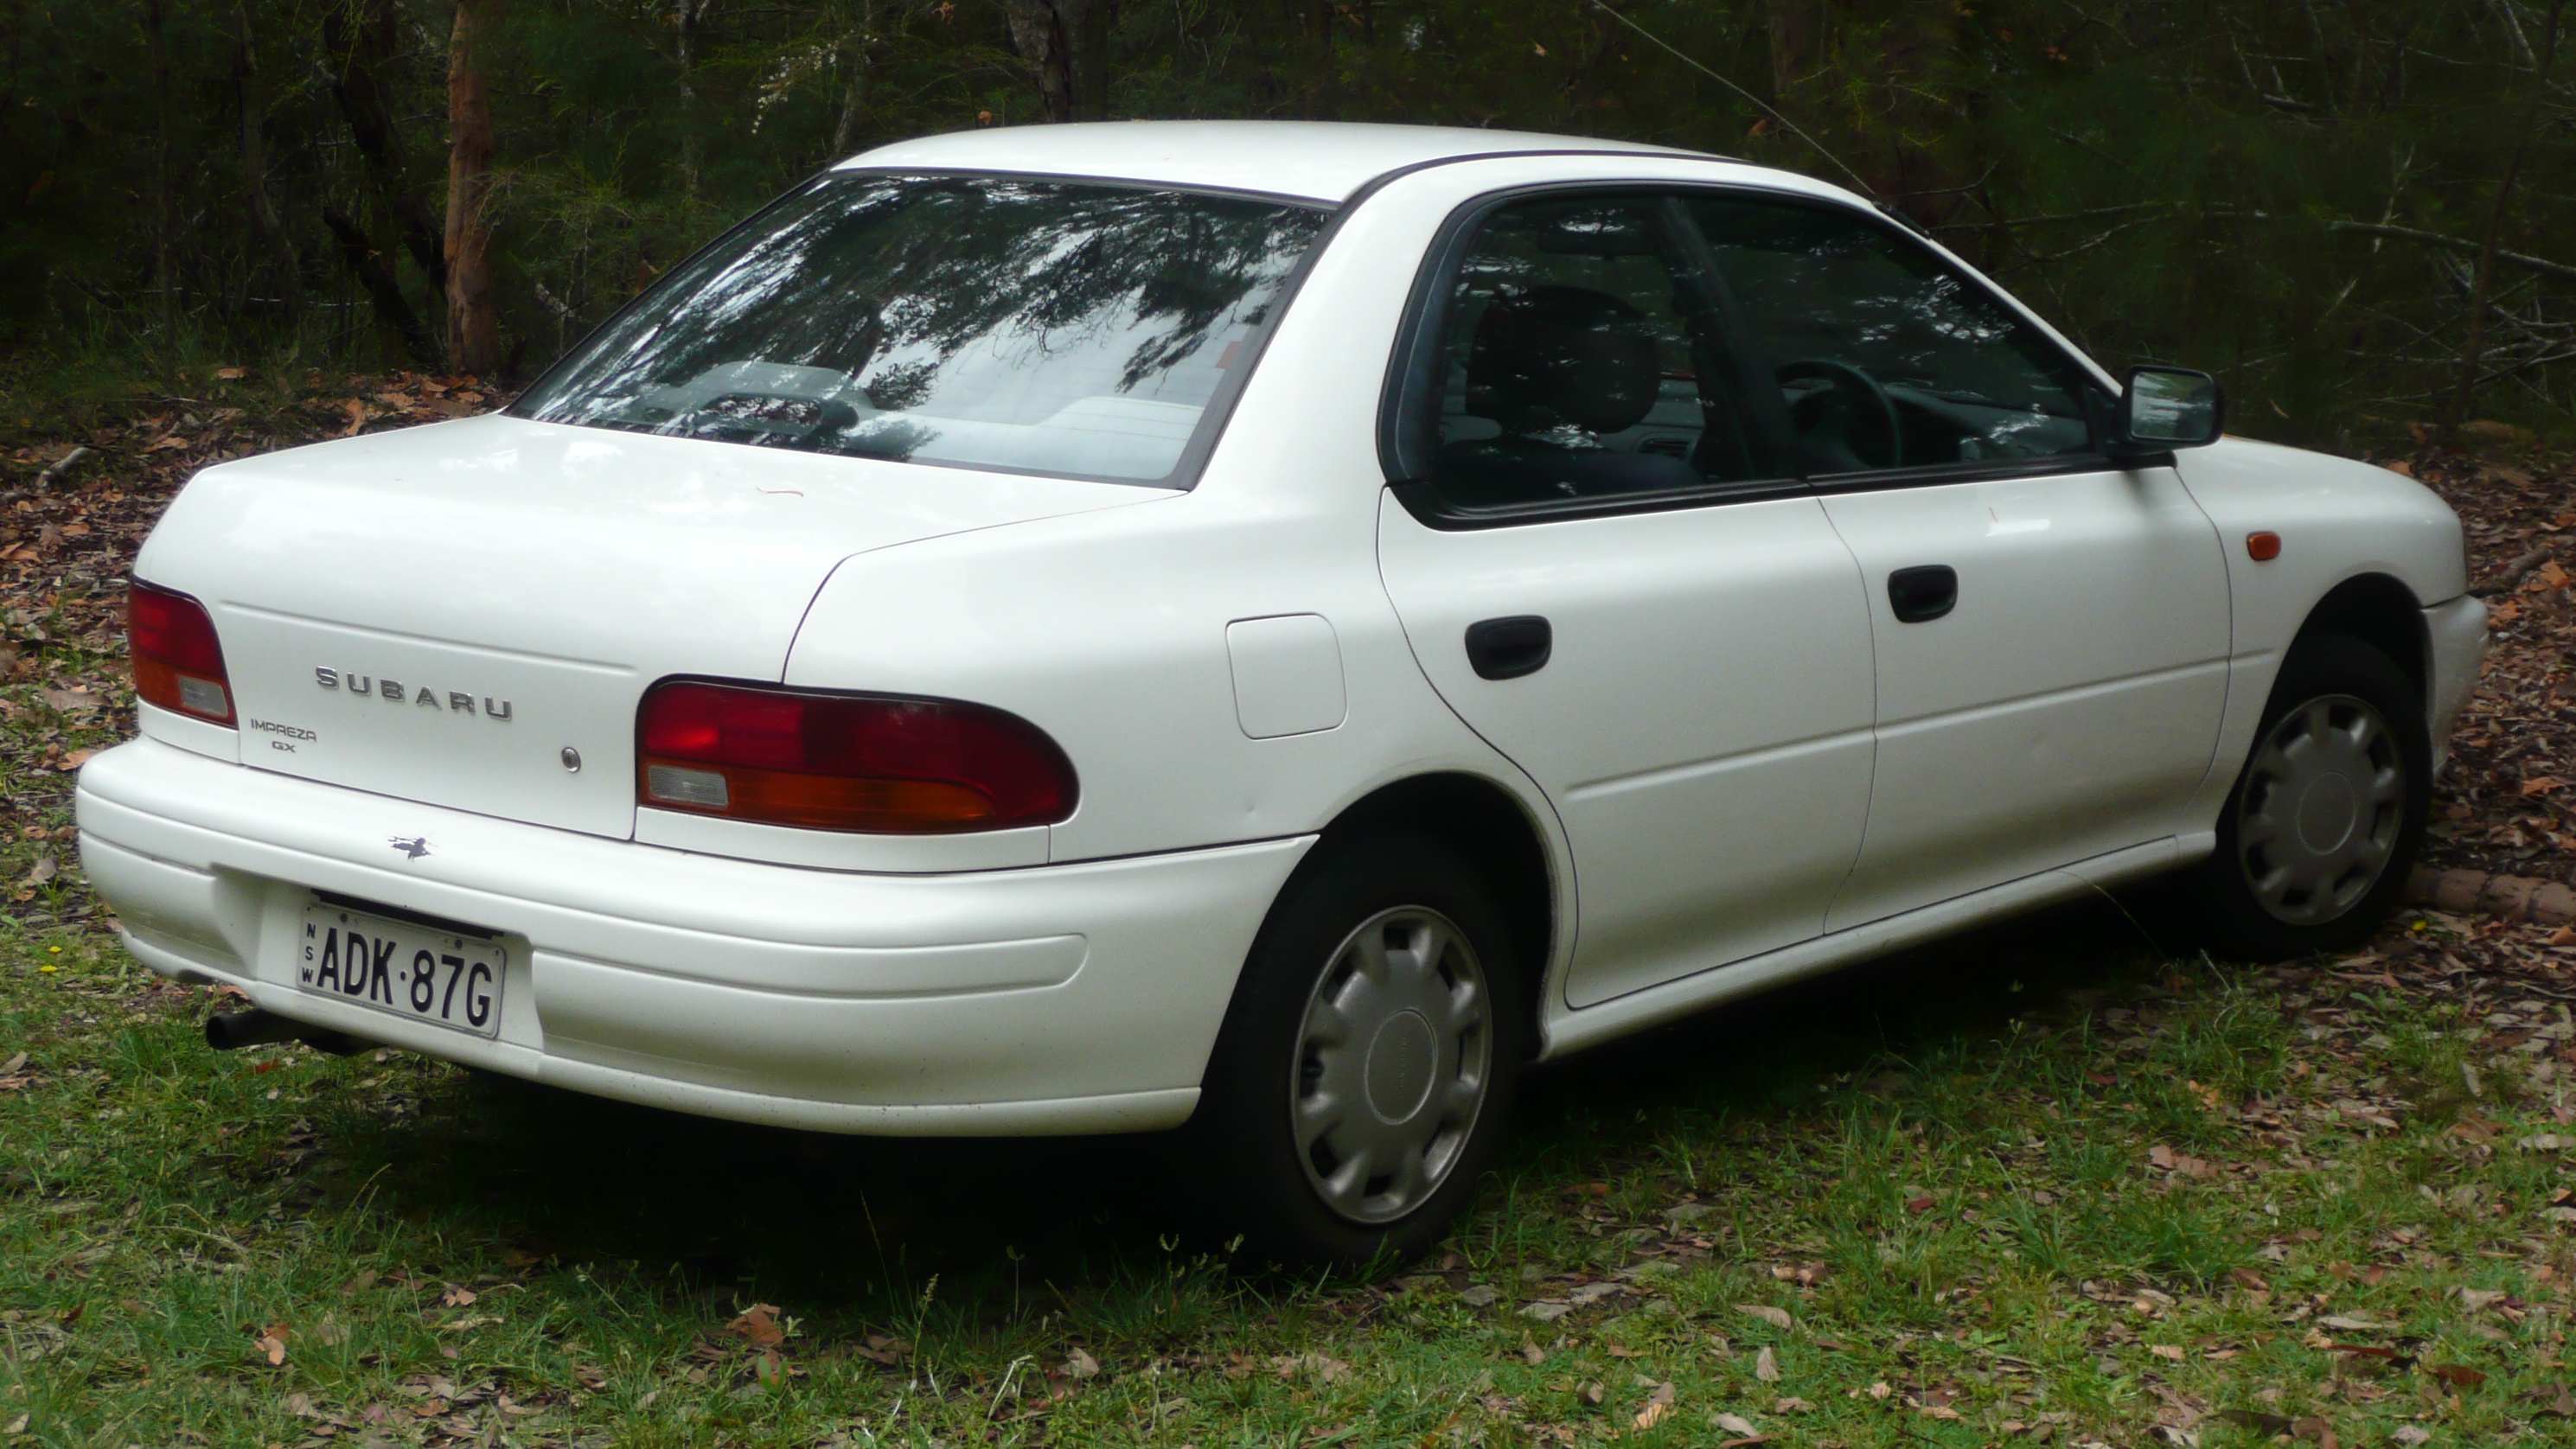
[1059, 999]
[2457, 632]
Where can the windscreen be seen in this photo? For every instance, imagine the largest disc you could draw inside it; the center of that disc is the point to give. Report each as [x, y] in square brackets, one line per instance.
[982, 322]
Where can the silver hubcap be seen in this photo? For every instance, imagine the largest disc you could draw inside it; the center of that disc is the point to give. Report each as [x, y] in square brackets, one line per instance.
[2323, 803]
[1392, 1064]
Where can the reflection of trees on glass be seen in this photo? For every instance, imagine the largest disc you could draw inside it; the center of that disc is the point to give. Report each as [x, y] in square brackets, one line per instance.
[1964, 378]
[978, 320]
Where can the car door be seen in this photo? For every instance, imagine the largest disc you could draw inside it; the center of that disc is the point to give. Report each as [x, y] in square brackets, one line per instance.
[1601, 570]
[2051, 629]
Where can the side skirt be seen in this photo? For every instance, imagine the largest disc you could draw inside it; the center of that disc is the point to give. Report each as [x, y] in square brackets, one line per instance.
[1572, 1031]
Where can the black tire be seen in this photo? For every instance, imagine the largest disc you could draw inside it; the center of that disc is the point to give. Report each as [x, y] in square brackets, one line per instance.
[2269, 892]
[1268, 1080]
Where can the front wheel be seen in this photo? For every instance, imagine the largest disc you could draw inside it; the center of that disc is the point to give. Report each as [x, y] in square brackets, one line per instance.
[2316, 839]
[1366, 1067]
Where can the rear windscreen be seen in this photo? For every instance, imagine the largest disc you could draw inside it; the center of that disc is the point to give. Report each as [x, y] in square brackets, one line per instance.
[988, 322]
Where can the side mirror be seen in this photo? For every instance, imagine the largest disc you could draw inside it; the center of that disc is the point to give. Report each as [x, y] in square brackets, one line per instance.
[2169, 407]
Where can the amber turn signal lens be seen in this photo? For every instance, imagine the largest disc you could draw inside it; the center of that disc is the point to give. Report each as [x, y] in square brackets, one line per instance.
[178, 662]
[2263, 547]
[870, 763]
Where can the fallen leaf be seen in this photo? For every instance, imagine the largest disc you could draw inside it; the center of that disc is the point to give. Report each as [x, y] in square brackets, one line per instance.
[1920, 1204]
[2166, 1159]
[15, 1426]
[1792, 1406]
[890, 1351]
[2542, 784]
[2166, 1350]
[1080, 1365]
[2410, 1435]
[1321, 1368]
[1776, 1317]
[2459, 1374]
[357, 417]
[2261, 1423]
[232, 374]
[1479, 1295]
[272, 1343]
[1592, 1393]
[10, 1067]
[456, 1297]
[758, 1326]
[1546, 1312]
[1657, 1405]
[1735, 1424]
[1766, 1367]
[75, 759]
[2350, 1324]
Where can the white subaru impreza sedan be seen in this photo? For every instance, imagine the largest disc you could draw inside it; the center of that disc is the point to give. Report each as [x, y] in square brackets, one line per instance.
[1267, 627]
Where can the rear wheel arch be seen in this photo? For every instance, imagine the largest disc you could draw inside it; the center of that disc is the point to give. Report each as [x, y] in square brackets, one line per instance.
[2381, 612]
[1496, 833]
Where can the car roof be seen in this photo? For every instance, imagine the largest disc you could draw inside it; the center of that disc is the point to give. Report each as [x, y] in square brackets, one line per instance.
[1317, 160]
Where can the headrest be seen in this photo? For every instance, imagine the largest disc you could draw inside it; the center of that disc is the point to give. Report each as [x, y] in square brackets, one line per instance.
[1546, 356]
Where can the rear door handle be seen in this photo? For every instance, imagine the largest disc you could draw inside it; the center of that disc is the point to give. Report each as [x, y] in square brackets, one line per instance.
[1924, 593]
[1509, 648]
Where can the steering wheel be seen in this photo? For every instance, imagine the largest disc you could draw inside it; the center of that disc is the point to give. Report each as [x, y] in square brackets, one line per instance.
[1863, 399]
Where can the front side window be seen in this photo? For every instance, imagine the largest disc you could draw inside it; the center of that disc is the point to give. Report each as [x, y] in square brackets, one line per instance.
[993, 322]
[1575, 361]
[1884, 357]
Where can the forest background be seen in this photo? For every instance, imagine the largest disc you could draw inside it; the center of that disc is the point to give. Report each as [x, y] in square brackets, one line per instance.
[2357, 212]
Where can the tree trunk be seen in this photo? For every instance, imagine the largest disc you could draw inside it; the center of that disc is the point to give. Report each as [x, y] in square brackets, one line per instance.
[374, 273]
[684, 18]
[2473, 356]
[473, 321]
[254, 164]
[1066, 46]
[855, 94]
[365, 41]
[1797, 45]
[163, 221]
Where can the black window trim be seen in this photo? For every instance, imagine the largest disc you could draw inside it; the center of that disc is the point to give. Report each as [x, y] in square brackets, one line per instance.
[1417, 349]
[1218, 411]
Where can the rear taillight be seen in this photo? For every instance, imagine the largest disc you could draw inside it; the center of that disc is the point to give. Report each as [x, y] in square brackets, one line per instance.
[178, 664]
[846, 762]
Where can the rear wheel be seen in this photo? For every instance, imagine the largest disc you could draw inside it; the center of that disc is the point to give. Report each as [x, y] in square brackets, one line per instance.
[1366, 1067]
[2317, 838]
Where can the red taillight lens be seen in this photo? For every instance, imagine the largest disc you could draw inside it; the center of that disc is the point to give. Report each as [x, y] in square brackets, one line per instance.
[178, 663]
[846, 762]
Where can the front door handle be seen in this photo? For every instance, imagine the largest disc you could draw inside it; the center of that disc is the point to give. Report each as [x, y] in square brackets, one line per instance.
[1509, 648]
[1922, 594]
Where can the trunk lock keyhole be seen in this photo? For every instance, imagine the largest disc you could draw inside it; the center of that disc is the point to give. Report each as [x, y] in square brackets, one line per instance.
[572, 759]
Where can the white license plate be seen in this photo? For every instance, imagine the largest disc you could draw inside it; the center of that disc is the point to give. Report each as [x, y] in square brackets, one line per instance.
[408, 970]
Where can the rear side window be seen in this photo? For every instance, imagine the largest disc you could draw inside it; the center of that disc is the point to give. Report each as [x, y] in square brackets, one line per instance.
[989, 322]
[1575, 361]
[1884, 356]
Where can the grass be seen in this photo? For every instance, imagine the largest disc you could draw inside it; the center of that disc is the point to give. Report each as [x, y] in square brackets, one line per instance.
[1944, 1205]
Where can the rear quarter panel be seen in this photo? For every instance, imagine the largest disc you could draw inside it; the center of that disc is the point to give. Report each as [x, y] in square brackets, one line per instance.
[1110, 633]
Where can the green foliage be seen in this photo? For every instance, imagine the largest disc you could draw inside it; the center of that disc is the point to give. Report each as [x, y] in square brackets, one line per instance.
[2335, 206]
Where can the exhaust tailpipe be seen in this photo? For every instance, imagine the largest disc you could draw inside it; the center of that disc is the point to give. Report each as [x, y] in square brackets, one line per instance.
[256, 1027]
